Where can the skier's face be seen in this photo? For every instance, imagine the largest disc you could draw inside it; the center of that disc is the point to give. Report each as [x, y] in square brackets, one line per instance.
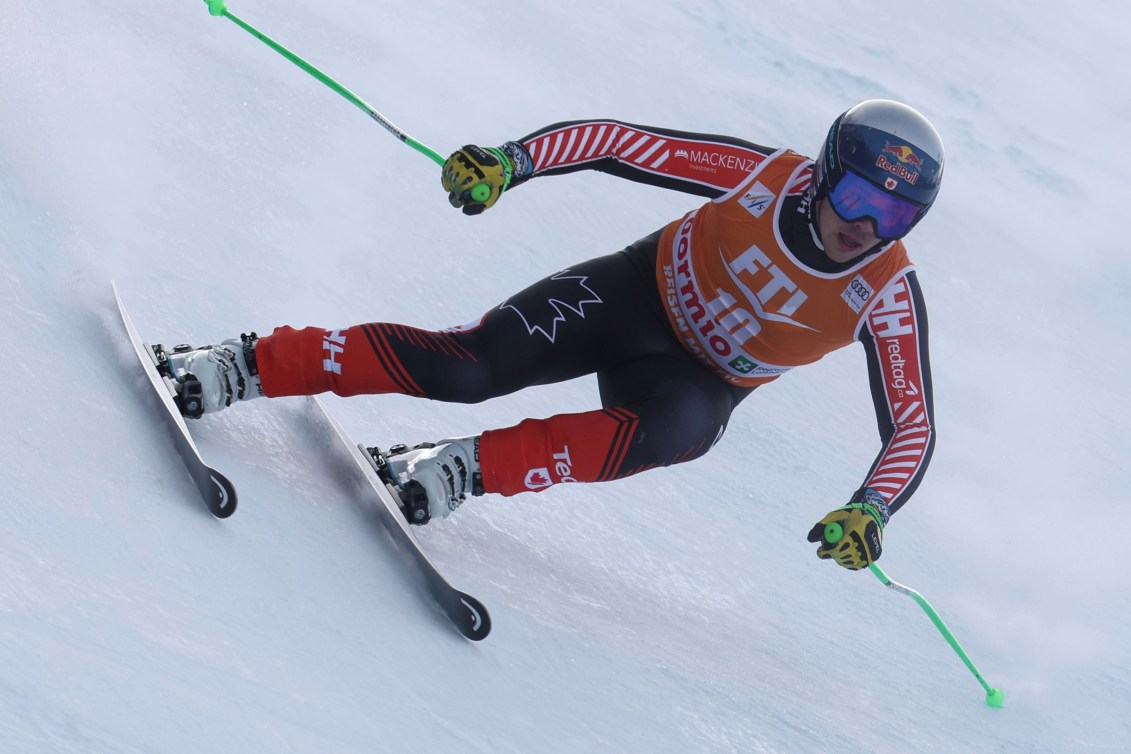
[844, 241]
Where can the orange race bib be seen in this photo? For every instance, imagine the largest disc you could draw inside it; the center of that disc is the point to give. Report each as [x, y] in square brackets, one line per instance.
[738, 298]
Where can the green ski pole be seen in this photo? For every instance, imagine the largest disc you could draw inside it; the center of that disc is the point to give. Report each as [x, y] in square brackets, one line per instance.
[994, 697]
[218, 8]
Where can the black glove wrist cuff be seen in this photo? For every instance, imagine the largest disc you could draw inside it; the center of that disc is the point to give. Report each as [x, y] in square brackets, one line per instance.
[521, 159]
[873, 503]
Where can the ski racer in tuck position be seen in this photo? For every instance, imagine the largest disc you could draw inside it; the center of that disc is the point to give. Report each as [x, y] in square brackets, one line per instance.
[788, 260]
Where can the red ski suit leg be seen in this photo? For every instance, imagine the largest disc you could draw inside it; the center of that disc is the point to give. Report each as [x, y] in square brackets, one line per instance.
[314, 360]
[538, 453]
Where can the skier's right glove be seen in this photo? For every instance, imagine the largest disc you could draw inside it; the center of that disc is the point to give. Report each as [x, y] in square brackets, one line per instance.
[475, 177]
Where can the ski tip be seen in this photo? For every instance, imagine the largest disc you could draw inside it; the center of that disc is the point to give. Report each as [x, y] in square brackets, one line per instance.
[221, 498]
[476, 621]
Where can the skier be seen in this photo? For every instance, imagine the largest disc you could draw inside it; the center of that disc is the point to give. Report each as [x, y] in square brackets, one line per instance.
[789, 260]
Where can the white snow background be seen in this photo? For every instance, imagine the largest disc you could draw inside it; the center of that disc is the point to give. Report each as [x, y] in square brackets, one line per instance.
[678, 611]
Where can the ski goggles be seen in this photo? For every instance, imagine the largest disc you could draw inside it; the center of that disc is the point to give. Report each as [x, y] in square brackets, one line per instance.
[856, 198]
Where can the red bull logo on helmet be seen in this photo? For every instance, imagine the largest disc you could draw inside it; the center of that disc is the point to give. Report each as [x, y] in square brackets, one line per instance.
[904, 165]
[905, 155]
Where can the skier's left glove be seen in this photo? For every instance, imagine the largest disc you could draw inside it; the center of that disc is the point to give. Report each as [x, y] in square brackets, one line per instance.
[853, 535]
[475, 177]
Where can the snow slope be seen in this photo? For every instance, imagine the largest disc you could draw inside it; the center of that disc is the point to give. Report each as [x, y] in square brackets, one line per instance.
[224, 190]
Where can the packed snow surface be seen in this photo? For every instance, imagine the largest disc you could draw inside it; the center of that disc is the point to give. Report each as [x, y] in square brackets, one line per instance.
[225, 191]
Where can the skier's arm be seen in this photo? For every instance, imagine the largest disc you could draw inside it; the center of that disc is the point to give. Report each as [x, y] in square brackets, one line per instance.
[701, 164]
[894, 335]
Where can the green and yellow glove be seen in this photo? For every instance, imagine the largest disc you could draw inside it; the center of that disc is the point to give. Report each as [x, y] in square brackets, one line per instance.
[853, 535]
[475, 177]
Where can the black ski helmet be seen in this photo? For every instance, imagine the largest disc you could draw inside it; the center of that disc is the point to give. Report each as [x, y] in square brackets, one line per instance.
[889, 144]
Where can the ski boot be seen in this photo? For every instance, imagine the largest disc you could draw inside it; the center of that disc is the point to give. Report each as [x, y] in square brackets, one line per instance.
[432, 479]
[211, 378]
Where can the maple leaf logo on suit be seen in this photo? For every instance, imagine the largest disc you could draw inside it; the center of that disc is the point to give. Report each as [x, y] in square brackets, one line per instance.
[568, 294]
[537, 479]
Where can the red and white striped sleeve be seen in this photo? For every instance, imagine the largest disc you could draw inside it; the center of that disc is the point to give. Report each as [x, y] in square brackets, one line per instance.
[894, 334]
[703, 164]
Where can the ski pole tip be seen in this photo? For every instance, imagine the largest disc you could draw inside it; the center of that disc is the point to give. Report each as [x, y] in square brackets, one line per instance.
[216, 7]
[995, 698]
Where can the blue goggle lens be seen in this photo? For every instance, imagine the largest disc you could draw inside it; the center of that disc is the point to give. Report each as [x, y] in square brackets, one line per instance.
[855, 198]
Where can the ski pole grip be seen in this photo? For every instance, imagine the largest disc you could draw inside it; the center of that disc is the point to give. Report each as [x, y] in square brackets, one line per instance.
[481, 193]
[833, 533]
[216, 7]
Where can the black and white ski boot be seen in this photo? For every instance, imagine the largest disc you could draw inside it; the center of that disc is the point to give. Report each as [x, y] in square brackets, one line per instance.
[431, 479]
[211, 378]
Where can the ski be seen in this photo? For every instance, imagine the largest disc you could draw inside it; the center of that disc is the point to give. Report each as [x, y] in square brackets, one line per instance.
[467, 613]
[217, 491]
